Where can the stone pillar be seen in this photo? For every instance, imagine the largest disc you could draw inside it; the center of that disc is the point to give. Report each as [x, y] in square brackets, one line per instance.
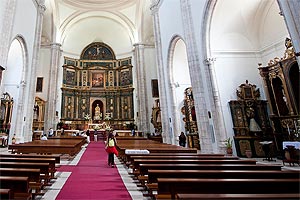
[5, 34]
[166, 133]
[19, 123]
[32, 72]
[217, 115]
[6, 31]
[50, 121]
[201, 85]
[290, 11]
[143, 122]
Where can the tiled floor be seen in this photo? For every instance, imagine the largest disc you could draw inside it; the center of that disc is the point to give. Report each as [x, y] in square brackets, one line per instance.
[136, 193]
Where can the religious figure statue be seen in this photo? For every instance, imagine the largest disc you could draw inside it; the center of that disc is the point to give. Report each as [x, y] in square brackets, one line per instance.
[97, 113]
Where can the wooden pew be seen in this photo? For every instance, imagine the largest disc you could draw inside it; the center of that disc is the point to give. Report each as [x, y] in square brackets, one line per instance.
[50, 161]
[19, 186]
[171, 186]
[53, 146]
[6, 194]
[128, 156]
[44, 168]
[57, 157]
[35, 182]
[150, 145]
[143, 168]
[237, 196]
[153, 175]
[137, 162]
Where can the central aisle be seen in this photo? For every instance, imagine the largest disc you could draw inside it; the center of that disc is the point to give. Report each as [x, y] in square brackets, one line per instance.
[92, 178]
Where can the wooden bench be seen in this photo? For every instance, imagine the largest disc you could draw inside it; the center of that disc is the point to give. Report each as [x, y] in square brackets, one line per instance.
[44, 168]
[53, 146]
[128, 156]
[57, 157]
[5, 194]
[35, 182]
[51, 162]
[143, 168]
[171, 186]
[137, 162]
[19, 186]
[249, 196]
[153, 175]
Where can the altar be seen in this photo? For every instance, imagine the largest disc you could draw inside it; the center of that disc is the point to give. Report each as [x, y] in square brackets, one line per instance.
[100, 126]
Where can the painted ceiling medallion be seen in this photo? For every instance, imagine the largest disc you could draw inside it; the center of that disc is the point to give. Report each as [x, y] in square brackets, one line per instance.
[99, 4]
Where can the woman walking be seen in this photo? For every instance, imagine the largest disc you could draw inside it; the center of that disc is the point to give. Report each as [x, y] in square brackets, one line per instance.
[111, 149]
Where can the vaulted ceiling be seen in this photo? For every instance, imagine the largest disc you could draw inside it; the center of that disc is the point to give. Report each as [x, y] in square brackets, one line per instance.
[77, 23]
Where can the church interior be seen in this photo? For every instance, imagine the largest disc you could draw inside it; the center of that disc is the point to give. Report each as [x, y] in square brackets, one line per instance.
[223, 72]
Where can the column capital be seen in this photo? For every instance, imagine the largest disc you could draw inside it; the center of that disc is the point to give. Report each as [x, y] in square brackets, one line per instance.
[154, 7]
[41, 7]
[209, 61]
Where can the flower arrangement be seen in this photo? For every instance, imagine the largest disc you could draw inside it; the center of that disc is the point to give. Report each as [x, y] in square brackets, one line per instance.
[228, 143]
[87, 117]
[107, 116]
[96, 127]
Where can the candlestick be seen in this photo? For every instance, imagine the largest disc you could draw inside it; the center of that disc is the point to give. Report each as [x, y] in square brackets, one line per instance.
[288, 128]
[295, 125]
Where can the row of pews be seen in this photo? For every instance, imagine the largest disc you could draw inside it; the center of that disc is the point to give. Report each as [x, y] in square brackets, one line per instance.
[70, 145]
[24, 176]
[173, 172]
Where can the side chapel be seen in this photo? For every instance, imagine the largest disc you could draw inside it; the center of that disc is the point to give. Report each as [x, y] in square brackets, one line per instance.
[97, 88]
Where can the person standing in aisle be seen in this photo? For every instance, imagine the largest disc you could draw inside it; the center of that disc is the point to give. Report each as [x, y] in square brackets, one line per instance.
[111, 149]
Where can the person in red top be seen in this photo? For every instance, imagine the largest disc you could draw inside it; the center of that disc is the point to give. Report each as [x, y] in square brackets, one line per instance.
[111, 149]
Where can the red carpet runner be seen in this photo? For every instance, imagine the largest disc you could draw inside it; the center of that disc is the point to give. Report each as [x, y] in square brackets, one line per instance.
[92, 178]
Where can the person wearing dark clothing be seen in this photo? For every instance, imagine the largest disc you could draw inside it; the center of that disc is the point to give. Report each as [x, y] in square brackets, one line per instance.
[182, 139]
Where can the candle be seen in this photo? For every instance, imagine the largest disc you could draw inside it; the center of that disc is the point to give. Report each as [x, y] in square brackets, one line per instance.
[295, 125]
[288, 128]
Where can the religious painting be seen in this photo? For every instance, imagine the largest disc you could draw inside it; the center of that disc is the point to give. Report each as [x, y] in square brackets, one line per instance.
[125, 78]
[155, 91]
[70, 77]
[39, 84]
[248, 93]
[98, 79]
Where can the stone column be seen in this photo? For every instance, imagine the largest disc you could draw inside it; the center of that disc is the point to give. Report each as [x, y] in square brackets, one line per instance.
[32, 72]
[5, 34]
[143, 123]
[19, 123]
[166, 133]
[200, 84]
[52, 87]
[6, 31]
[217, 115]
[290, 11]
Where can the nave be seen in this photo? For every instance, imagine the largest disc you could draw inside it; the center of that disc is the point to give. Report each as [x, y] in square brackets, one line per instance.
[98, 167]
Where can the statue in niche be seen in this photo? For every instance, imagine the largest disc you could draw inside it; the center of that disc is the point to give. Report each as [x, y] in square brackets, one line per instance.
[98, 113]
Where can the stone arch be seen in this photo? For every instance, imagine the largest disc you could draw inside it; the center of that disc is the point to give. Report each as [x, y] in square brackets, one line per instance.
[15, 83]
[176, 81]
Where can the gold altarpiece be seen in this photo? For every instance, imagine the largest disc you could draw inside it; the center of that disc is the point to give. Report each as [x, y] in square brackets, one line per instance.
[281, 80]
[97, 88]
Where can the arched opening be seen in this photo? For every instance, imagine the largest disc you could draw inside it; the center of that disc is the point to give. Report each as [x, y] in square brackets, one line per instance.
[13, 84]
[97, 110]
